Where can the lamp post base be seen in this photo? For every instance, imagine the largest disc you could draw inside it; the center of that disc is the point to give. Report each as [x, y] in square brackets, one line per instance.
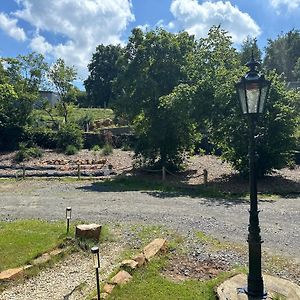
[245, 290]
[231, 288]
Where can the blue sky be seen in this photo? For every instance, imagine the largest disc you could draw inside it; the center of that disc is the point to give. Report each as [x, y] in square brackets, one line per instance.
[71, 29]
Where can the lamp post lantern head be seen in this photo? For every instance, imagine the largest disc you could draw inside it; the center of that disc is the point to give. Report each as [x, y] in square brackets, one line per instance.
[253, 90]
[96, 258]
[68, 213]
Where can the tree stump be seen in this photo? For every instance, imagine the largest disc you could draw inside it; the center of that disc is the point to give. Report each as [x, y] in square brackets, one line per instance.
[88, 231]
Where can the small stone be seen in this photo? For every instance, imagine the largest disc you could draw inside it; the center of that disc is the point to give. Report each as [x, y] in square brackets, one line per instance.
[129, 264]
[27, 267]
[56, 252]
[121, 278]
[140, 259]
[103, 296]
[108, 288]
[42, 259]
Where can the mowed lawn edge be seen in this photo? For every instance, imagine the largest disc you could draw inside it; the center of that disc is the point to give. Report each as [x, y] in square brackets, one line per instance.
[23, 240]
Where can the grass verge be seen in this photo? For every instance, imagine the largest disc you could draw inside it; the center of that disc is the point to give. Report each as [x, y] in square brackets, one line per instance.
[22, 241]
[148, 284]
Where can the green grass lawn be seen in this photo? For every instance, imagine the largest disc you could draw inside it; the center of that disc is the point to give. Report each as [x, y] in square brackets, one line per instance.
[148, 284]
[21, 241]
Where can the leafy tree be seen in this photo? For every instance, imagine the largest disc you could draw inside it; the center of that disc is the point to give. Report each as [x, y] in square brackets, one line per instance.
[166, 139]
[104, 68]
[250, 46]
[15, 113]
[19, 84]
[282, 54]
[296, 71]
[154, 64]
[27, 72]
[62, 76]
[82, 99]
[214, 71]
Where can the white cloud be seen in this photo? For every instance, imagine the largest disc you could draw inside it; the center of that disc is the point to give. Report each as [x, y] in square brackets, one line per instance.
[40, 45]
[9, 25]
[290, 4]
[79, 26]
[144, 27]
[198, 18]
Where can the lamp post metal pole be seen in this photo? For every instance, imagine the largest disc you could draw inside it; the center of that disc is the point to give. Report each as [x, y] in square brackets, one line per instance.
[98, 284]
[255, 280]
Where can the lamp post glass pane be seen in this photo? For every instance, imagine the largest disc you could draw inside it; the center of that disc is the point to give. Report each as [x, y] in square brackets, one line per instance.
[263, 97]
[96, 259]
[242, 97]
[252, 91]
[68, 213]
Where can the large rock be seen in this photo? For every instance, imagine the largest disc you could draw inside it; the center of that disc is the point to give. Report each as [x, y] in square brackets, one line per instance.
[230, 289]
[88, 231]
[154, 247]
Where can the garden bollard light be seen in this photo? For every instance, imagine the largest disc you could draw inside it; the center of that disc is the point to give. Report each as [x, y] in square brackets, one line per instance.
[68, 217]
[96, 262]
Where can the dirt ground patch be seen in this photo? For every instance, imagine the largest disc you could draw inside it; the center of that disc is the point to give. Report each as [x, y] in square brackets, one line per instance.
[184, 267]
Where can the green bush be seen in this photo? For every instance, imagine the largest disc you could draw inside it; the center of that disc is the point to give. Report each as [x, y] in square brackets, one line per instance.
[42, 136]
[107, 149]
[25, 153]
[69, 134]
[96, 148]
[85, 121]
[71, 149]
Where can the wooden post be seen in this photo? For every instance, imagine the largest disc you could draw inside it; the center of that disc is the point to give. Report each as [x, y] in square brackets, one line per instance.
[205, 176]
[163, 173]
[78, 171]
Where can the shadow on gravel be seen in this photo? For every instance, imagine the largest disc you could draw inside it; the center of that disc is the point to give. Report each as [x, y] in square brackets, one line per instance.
[226, 190]
[273, 185]
[157, 190]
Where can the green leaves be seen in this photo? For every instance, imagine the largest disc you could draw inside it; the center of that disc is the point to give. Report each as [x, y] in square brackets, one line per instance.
[104, 67]
[151, 95]
[62, 77]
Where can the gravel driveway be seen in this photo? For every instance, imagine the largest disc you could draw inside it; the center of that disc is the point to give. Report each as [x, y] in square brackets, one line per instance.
[223, 219]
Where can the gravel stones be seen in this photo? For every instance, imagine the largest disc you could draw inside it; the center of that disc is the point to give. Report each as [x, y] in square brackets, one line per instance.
[64, 279]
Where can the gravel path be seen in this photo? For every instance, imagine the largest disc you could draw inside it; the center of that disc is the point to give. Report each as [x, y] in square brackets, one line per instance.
[223, 219]
[64, 279]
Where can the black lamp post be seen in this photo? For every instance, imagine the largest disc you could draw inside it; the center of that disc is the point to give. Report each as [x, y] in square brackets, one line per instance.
[253, 91]
[96, 262]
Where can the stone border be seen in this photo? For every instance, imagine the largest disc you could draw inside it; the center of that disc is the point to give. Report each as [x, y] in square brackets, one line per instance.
[130, 265]
[14, 273]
